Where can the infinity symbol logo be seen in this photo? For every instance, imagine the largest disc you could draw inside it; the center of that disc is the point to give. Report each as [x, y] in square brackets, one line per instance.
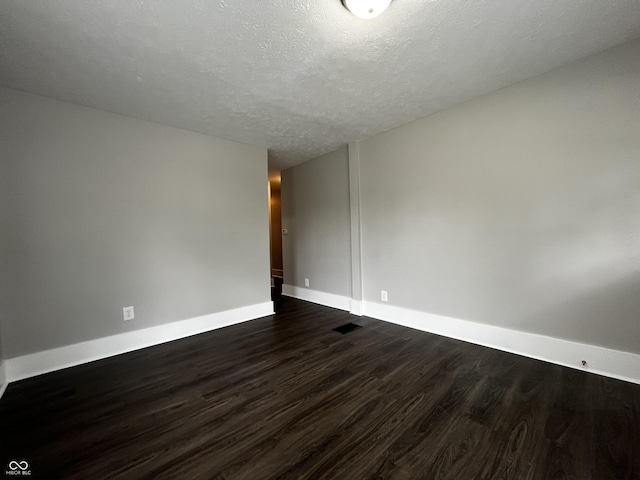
[23, 465]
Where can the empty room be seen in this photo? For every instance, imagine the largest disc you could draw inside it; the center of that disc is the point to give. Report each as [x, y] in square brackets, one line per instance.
[328, 239]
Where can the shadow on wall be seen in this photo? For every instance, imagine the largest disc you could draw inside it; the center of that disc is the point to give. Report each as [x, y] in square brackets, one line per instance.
[587, 316]
[588, 275]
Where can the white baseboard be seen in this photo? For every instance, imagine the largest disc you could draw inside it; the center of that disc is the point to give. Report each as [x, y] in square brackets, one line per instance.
[602, 361]
[315, 296]
[26, 366]
[356, 307]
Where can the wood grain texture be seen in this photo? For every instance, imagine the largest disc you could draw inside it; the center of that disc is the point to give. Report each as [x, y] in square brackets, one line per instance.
[286, 397]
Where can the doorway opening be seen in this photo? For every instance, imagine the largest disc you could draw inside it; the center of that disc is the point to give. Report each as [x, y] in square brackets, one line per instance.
[275, 236]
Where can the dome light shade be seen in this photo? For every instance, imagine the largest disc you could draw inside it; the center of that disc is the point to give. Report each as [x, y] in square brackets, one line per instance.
[366, 8]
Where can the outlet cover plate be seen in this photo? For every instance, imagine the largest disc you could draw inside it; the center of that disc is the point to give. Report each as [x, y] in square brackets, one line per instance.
[127, 314]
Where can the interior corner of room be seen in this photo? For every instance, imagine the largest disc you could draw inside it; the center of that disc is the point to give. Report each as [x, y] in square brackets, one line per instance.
[528, 225]
[508, 220]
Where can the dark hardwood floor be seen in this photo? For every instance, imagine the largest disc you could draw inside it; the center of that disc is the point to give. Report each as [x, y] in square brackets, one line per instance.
[287, 397]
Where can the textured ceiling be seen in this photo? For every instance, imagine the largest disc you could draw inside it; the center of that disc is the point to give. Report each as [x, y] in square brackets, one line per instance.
[300, 77]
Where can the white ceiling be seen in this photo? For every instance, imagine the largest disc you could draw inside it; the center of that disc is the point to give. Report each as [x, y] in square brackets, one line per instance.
[301, 77]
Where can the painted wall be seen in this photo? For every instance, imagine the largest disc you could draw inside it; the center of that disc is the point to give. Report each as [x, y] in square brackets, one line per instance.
[519, 209]
[4, 239]
[4, 245]
[315, 211]
[108, 211]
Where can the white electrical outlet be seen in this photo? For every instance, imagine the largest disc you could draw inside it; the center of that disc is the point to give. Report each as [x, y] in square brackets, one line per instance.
[384, 296]
[127, 313]
[306, 282]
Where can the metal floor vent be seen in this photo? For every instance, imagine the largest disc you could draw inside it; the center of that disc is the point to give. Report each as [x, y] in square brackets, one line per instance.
[347, 327]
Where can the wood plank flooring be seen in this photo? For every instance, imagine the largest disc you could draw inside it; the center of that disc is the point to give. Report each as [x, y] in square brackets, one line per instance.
[286, 397]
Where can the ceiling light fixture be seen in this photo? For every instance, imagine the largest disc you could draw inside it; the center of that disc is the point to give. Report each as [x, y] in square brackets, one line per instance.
[366, 8]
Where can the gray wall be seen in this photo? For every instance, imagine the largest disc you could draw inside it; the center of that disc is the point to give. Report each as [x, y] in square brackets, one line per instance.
[4, 239]
[519, 209]
[108, 211]
[315, 210]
